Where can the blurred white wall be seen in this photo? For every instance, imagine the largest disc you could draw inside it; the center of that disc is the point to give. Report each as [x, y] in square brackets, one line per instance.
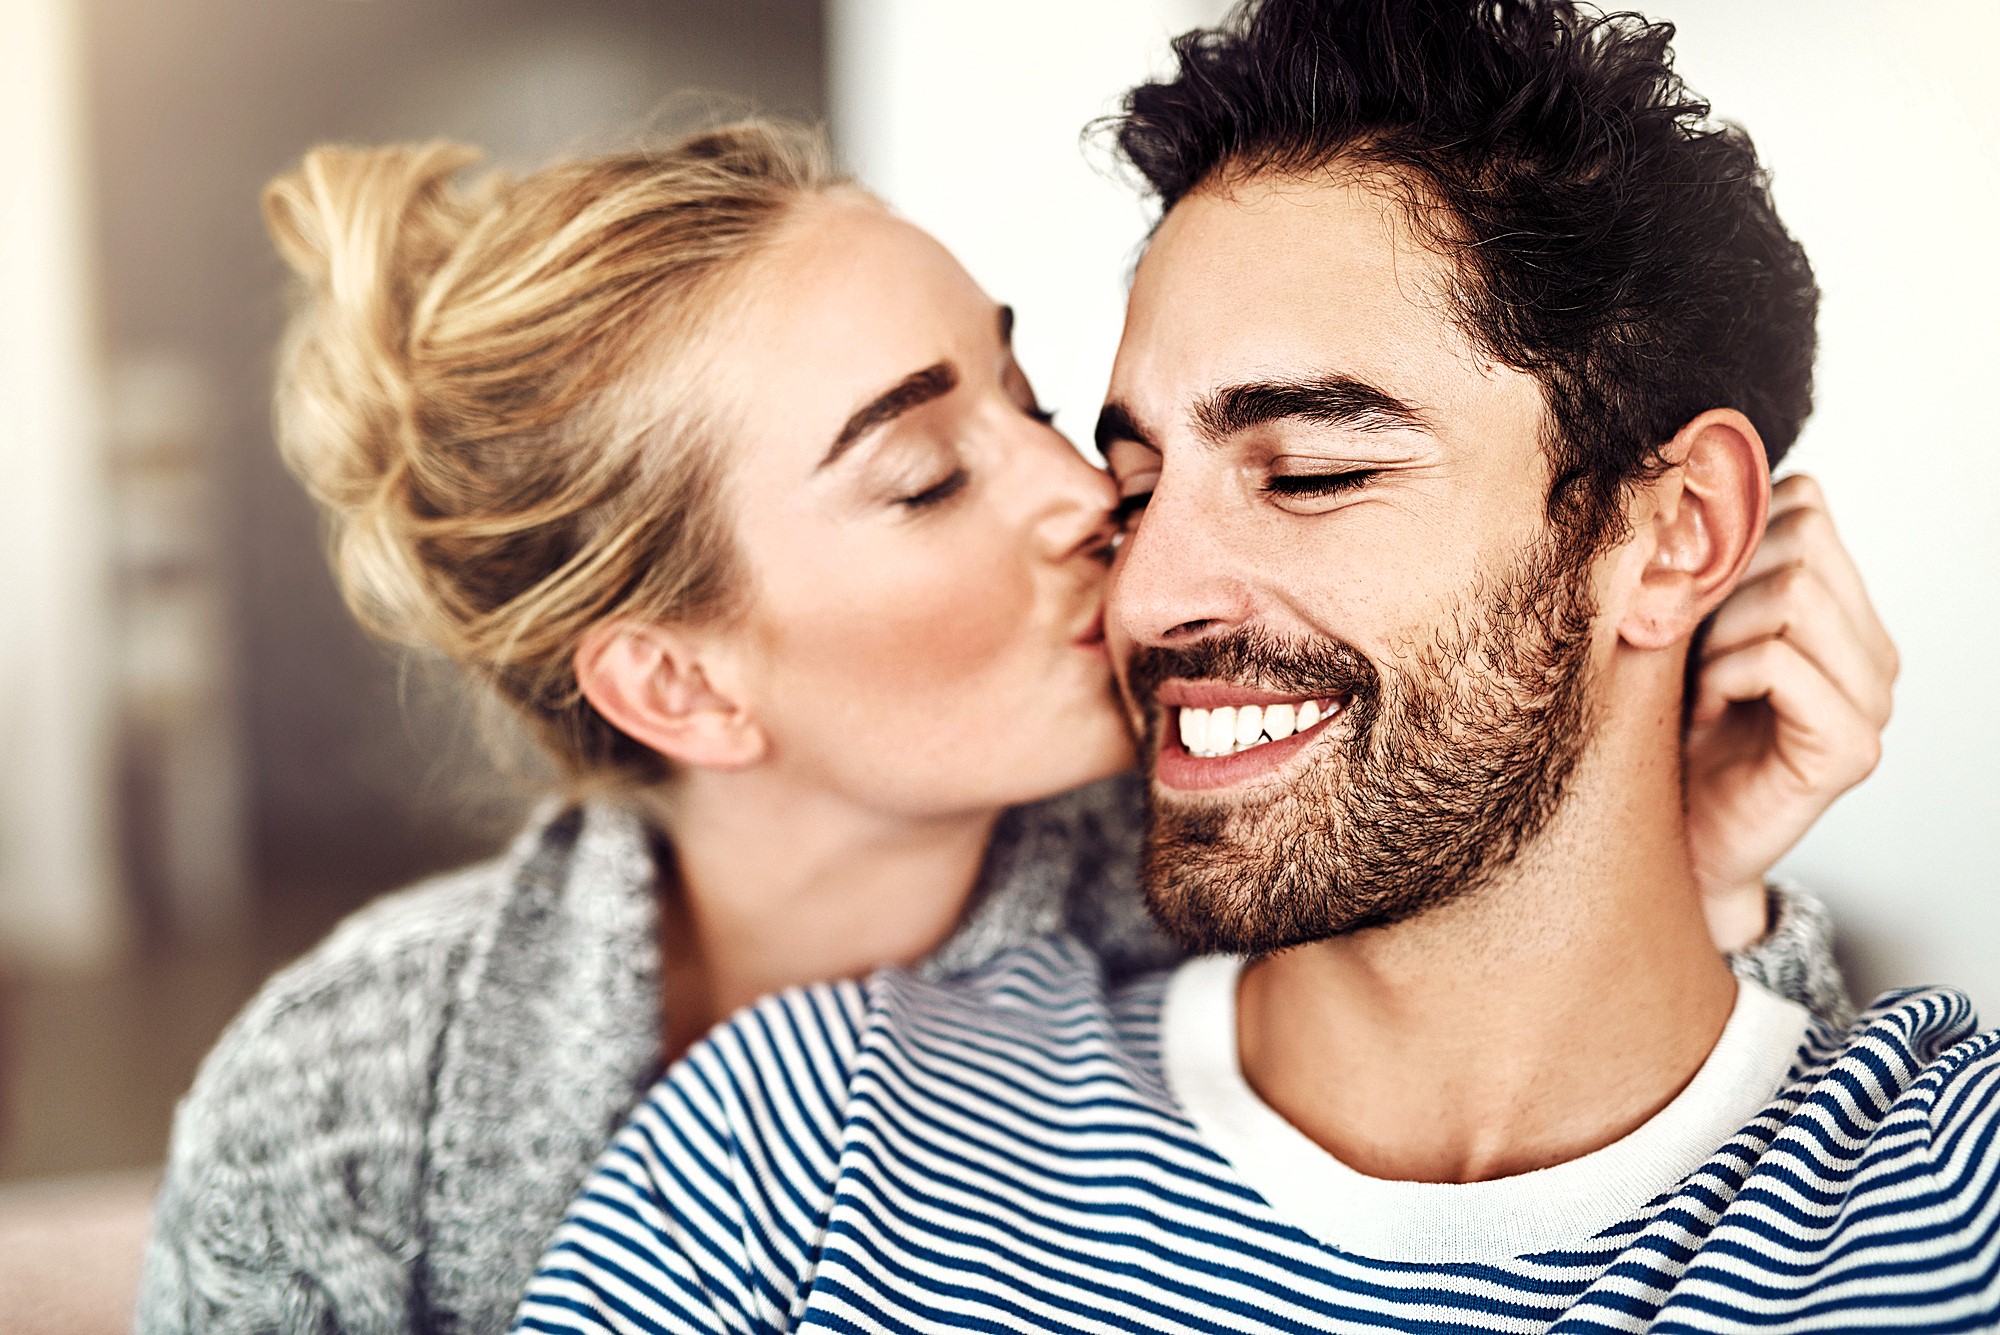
[58, 894]
[359, 767]
[1885, 141]
[1881, 126]
[968, 119]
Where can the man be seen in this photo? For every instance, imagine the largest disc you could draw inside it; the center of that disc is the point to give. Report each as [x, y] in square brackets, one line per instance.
[1449, 392]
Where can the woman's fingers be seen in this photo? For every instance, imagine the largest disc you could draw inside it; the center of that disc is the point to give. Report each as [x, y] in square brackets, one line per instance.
[1794, 687]
[1799, 490]
[1801, 533]
[1825, 743]
[1794, 604]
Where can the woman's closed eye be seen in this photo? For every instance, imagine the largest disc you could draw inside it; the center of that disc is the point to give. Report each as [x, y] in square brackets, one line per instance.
[940, 491]
[1127, 510]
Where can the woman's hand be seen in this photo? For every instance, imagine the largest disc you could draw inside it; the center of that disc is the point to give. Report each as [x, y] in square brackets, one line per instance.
[1788, 710]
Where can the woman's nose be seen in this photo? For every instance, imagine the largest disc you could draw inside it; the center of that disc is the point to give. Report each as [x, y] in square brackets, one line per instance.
[1077, 514]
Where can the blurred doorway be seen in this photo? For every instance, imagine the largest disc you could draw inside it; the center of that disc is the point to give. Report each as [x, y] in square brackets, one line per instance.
[276, 768]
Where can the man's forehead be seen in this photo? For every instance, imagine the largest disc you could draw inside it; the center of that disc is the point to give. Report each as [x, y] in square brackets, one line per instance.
[1285, 274]
[1346, 224]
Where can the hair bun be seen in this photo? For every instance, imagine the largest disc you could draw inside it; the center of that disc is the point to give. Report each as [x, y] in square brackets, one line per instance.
[489, 391]
[370, 231]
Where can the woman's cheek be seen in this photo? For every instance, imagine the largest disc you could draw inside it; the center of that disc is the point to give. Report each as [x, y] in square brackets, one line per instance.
[931, 625]
[952, 636]
[909, 703]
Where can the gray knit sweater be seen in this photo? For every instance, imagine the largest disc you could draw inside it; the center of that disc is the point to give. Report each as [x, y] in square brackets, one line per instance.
[386, 1136]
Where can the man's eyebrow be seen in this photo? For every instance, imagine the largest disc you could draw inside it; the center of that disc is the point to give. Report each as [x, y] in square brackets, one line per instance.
[1335, 400]
[912, 391]
[1115, 423]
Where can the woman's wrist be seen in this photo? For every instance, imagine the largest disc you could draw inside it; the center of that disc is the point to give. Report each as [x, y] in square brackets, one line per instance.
[1738, 917]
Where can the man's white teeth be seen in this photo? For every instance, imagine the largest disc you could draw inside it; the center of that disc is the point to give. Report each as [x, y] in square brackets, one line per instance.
[1194, 731]
[1219, 738]
[1231, 728]
[1249, 724]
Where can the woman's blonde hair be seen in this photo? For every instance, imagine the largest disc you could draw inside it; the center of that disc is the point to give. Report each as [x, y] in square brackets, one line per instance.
[488, 390]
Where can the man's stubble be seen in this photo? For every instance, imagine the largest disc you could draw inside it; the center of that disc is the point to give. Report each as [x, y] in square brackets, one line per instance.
[1449, 762]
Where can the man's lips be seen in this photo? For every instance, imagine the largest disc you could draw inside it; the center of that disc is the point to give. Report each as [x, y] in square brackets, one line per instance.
[1180, 693]
[1217, 734]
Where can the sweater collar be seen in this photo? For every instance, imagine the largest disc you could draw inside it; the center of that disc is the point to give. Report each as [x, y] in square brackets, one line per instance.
[1473, 1221]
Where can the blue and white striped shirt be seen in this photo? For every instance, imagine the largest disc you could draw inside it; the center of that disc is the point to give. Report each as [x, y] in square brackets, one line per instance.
[1014, 1150]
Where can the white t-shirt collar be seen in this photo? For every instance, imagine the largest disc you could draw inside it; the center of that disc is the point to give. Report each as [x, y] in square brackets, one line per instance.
[1474, 1221]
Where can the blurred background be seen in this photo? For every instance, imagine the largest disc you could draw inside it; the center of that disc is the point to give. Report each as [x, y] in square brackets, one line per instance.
[207, 764]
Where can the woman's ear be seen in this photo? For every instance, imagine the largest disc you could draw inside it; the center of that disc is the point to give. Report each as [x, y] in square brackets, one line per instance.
[1701, 528]
[660, 687]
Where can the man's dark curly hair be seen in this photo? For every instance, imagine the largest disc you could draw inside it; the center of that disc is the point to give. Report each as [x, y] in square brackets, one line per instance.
[1611, 240]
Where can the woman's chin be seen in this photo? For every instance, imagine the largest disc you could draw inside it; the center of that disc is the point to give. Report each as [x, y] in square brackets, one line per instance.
[1106, 753]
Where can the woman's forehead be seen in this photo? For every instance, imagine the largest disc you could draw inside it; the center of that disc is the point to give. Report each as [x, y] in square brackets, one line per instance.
[850, 302]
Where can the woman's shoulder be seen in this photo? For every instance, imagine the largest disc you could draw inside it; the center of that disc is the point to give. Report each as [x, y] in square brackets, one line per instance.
[377, 967]
[356, 1020]
[352, 1025]
[387, 970]
[324, 1150]
[326, 1065]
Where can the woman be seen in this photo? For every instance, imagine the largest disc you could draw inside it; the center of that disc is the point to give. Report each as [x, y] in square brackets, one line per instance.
[727, 481]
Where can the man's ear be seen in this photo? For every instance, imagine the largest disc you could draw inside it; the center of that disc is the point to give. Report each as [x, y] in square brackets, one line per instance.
[1703, 523]
[660, 687]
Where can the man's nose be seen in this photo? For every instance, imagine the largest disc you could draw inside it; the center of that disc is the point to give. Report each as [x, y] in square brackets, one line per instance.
[1175, 579]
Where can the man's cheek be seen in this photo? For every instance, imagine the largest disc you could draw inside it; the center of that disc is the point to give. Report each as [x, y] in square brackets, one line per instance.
[1120, 648]
[1137, 715]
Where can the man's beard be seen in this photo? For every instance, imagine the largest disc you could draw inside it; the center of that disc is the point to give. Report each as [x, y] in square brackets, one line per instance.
[1453, 762]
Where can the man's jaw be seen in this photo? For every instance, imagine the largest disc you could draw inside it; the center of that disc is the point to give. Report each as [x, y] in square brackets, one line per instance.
[1217, 735]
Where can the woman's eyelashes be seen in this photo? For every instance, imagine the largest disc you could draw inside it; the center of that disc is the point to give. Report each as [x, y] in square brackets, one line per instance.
[938, 492]
[955, 481]
[1127, 510]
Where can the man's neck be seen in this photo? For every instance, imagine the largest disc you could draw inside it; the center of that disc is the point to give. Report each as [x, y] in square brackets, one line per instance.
[1537, 1019]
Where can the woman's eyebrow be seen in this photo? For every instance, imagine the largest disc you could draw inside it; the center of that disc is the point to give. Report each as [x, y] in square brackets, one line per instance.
[912, 391]
[1115, 423]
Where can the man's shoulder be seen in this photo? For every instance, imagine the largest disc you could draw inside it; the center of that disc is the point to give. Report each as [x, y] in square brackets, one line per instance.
[1932, 1037]
[759, 1123]
[1039, 984]
[1912, 1048]
[1871, 1175]
[1054, 991]
[1046, 1003]
[1906, 1100]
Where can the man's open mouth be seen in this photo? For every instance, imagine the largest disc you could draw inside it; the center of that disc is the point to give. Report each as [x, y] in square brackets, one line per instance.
[1218, 734]
[1227, 729]
[1211, 719]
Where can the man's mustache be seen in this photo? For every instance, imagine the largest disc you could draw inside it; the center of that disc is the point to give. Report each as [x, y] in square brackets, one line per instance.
[1317, 667]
